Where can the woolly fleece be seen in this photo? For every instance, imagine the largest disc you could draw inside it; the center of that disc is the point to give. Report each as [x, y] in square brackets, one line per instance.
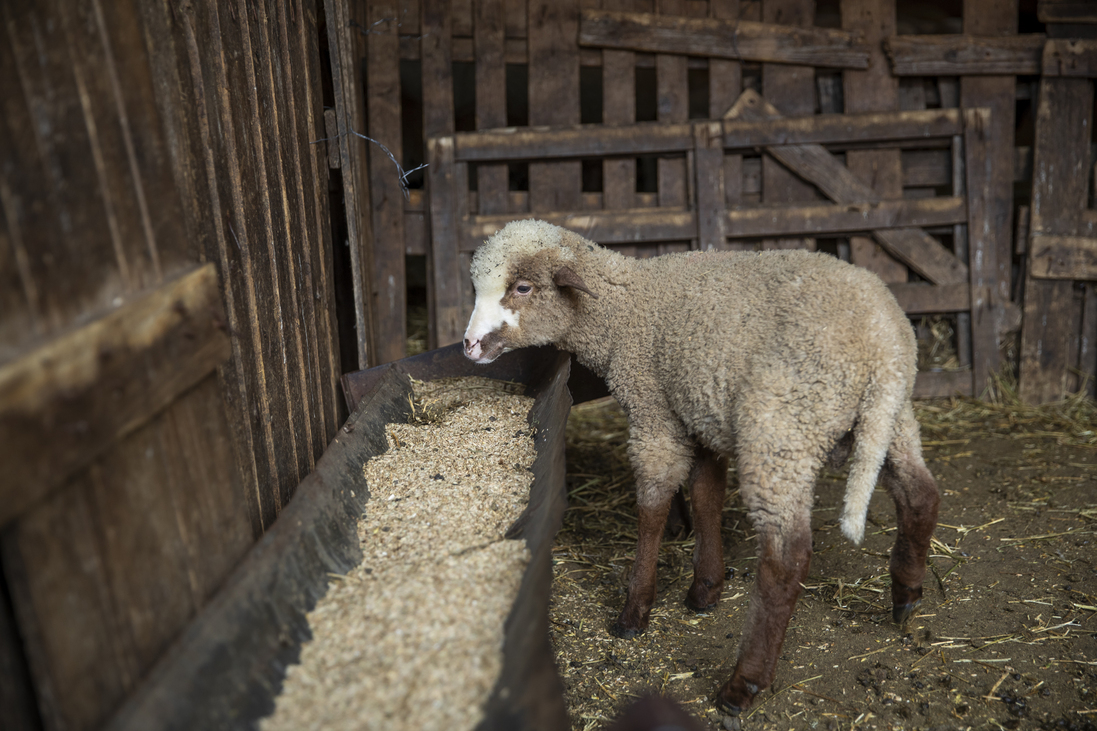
[769, 358]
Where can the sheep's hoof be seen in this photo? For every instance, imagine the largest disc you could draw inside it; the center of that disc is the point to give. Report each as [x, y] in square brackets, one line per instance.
[905, 601]
[625, 633]
[702, 597]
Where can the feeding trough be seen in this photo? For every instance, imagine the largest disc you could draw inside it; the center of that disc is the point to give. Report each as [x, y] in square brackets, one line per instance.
[228, 667]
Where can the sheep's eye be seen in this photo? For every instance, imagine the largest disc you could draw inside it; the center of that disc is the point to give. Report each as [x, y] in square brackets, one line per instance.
[523, 289]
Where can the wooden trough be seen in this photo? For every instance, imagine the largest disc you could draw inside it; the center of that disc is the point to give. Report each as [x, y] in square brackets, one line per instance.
[228, 667]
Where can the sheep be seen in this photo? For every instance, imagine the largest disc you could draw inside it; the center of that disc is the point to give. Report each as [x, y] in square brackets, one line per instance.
[779, 359]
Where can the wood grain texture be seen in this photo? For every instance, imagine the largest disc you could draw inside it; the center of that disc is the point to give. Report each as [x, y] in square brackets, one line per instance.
[1070, 57]
[491, 98]
[965, 55]
[618, 109]
[790, 89]
[554, 99]
[778, 42]
[873, 90]
[1064, 257]
[388, 287]
[1052, 318]
[1066, 11]
[65, 403]
[671, 107]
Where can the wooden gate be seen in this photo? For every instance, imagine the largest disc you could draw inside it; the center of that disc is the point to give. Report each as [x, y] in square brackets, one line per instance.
[745, 178]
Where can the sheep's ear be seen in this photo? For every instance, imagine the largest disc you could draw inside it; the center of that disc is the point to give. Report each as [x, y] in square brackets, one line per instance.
[565, 277]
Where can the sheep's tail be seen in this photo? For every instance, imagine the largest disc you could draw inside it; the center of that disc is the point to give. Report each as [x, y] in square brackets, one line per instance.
[872, 437]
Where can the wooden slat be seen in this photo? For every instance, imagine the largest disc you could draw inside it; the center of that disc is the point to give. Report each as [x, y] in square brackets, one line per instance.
[964, 55]
[988, 168]
[717, 38]
[318, 264]
[442, 186]
[64, 403]
[917, 298]
[386, 187]
[1063, 257]
[1087, 343]
[791, 89]
[671, 107]
[554, 99]
[1066, 11]
[273, 116]
[62, 230]
[827, 218]
[712, 219]
[1051, 322]
[638, 225]
[350, 118]
[1070, 57]
[491, 98]
[837, 130]
[813, 163]
[873, 90]
[725, 83]
[618, 108]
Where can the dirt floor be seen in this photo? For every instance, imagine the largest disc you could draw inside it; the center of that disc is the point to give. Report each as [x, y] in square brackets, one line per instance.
[1005, 635]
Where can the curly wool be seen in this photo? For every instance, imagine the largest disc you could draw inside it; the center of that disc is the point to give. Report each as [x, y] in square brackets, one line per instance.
[772, 357]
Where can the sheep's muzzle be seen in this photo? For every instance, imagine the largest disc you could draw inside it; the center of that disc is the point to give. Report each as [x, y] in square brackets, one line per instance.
[485, 349]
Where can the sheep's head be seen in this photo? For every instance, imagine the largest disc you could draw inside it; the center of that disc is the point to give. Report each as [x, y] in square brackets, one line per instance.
[525, 290]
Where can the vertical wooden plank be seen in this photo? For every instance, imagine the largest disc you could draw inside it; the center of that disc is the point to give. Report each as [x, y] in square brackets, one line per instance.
[224, 181]
[438, 127]
[18, 706]
[55, 172]
[343, 46]
[997, 93]
[120, 187]
[78, 654]
[312, 287]
[672, 106]
[386, 188]
[306, 39]
[1087, 347]
[491, 98]
[618, 107]
[873, 90]
[792, 90]
[708, 155]
[1060, 188]
[554, 99]
[725, 83]
[980, 178]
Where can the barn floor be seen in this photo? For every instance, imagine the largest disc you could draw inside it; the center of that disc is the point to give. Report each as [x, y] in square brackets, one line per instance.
[1005, 637]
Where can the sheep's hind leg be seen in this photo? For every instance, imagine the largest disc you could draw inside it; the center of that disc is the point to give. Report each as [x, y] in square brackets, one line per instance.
[708, 483]
[914, 491]
[641, 589]
[784, 556]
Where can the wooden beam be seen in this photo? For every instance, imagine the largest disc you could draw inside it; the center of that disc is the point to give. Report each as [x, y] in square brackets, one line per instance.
[965, 55]
[644, 138]
[918, 298]
[715, 38]
[626, 226]
[1064, 257]
[65, 403]
[1066, 11]
[827, 218]
[914, 247]
[1066, 57]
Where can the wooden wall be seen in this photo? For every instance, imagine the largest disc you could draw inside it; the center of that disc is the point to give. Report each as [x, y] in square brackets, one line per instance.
[643, 67]
[168, 343]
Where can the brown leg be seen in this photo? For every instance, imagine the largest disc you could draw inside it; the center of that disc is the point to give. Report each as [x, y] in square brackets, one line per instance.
[784, 556]
[914, 491]
[708, 482]
[641, 589]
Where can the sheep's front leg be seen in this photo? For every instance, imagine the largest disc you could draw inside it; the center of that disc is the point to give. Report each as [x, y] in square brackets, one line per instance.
[661, 462]
[708, 483]
[784, 556]
[641, 588]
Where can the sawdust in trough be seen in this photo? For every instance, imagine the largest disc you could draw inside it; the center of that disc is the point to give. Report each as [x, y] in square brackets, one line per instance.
[412, 638]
